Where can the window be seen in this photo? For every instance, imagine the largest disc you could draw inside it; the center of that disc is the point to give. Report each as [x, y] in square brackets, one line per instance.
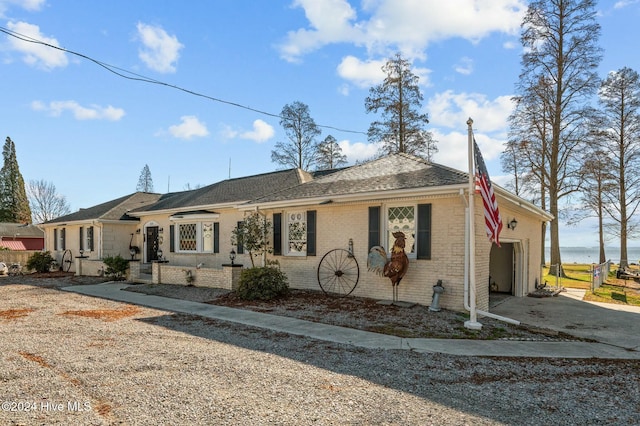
[197, 237]
[59, 239]
[296, 236]
[402, 219]
[413, 220]
[294, 233]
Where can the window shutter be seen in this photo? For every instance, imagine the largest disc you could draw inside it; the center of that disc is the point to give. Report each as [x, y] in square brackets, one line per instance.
[81, 239]
[374, 226]
[90, 237]
[172, 238]
[55, 239]
[216, 237]
[240, 247]
[424, 231]
[64, 237]
[277, 234]
[311, 233]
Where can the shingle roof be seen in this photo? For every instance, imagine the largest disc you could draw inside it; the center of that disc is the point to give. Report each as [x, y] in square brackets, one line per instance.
[8, 229]
[392, 172]
[231, 190]
[111, 210]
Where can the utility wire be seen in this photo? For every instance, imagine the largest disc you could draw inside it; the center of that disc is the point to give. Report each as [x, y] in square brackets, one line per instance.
[129, 75]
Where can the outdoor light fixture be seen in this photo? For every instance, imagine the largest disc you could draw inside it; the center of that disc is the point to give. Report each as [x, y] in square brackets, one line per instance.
[232, 256]
[132, 252]
[512, 225]
[350, 247]
[81, 253]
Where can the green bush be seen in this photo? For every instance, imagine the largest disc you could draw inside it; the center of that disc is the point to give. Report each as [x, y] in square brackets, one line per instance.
[40, 262]
[116, 267]
[262, 283]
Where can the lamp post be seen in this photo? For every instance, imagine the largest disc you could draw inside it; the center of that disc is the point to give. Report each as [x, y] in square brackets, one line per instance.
[232, 256]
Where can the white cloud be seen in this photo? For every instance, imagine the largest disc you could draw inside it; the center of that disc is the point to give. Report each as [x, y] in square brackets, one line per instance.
[464, 66]
[261, 132]
[362, 74]
[189, 127]
[30, 5]
[624, 3]
[452, 110]
[365, 74]
[160, 51]
[358, 151]
[36, 54]
[407, 26]
[94, 112]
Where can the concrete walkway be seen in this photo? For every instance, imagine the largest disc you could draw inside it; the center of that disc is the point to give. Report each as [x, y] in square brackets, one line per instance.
[365, 339]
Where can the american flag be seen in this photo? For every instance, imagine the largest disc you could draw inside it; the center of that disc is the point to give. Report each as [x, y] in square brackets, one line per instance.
[492, 219]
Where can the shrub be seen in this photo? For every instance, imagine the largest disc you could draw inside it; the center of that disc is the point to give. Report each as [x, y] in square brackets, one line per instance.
[262, 283]
[40, 262]
[116, 267]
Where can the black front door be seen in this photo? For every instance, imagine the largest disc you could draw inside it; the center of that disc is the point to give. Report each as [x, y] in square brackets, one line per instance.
[152, 243]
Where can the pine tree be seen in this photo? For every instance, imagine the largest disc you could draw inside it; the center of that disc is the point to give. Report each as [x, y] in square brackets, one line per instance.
[145, 182]
[14, 204]
[330, 154]
[401, 128]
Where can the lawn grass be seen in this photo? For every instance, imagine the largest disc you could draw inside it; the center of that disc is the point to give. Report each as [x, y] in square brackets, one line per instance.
[579, 276]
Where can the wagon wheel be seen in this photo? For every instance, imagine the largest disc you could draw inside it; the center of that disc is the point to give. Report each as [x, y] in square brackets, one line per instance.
[66, 261]
[338, 272]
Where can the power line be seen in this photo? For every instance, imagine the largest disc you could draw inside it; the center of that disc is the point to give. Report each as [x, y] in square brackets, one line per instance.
[129, 75]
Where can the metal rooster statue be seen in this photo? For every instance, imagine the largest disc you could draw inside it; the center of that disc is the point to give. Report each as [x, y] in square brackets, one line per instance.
[394, 268]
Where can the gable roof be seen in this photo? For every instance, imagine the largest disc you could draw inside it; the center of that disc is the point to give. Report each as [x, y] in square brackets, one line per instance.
[228, 192]
[396, 172]
[111, 210]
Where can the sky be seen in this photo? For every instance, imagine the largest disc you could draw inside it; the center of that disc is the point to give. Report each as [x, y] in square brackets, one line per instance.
[193, 88]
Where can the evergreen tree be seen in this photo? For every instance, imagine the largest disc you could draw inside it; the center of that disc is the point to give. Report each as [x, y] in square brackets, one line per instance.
[14, 204]
[401, 128]
[330, 154]
[145, 182]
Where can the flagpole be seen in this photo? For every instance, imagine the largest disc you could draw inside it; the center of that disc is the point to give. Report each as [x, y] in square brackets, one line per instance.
[473, 316]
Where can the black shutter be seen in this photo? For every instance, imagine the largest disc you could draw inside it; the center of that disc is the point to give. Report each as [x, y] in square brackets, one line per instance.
[55, 239]
[240, 248]
[311, 233]
[90, 237]
[64, 238]
[172, 239]
[81, 239]
[374, 226]
[424, 231]
[277, 234]
[216, 237]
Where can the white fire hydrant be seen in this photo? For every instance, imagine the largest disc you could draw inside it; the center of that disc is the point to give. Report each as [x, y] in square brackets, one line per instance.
[435, 299]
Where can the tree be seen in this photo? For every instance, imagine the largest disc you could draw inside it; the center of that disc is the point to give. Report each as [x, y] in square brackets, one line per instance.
[330, 154]
[301, 148]
[401, 127]
[558, 78]
[597, 181]
[14, 205]
[145, 182]
[253, 235]
[45, 203]
[618, 129]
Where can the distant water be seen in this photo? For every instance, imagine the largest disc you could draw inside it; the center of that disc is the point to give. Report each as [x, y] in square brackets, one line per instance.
[592, 254]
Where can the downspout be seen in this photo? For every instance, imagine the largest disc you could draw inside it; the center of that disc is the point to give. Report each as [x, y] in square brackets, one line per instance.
[466, 269]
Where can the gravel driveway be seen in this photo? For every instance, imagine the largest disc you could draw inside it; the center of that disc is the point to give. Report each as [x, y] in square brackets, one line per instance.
[73, 359]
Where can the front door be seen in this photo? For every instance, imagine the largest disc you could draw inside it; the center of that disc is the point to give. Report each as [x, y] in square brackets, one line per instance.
[152, 243]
